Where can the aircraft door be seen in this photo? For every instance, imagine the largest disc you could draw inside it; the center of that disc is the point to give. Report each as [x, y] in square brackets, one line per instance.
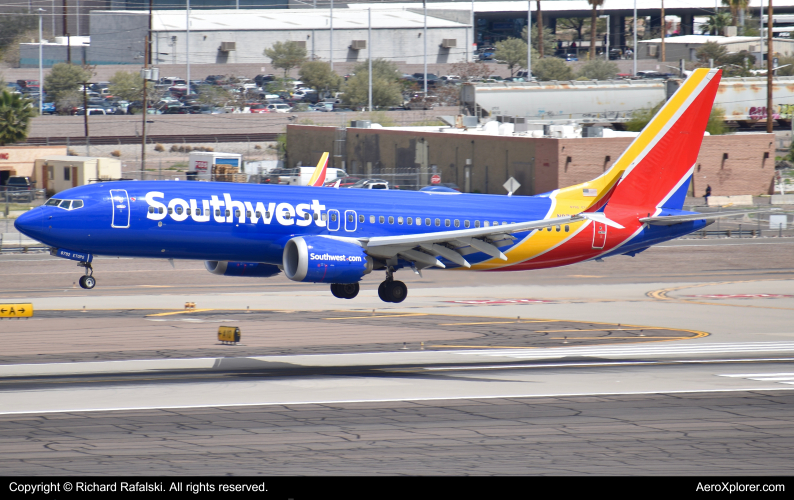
[333, 220]
[350, 220]
[599, 234]
[121, 208]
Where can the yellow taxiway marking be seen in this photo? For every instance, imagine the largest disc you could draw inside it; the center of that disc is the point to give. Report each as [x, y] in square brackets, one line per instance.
[662, 294]
[381, 316]
[614, 338]
[500, 322]
[179, 312]
[607, 329]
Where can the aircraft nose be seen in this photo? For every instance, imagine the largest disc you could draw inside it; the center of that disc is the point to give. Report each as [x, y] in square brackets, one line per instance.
[30, 223]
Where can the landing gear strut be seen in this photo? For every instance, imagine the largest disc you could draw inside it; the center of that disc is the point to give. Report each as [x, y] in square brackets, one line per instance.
[88, 282]
[391, 290]
[345, 290]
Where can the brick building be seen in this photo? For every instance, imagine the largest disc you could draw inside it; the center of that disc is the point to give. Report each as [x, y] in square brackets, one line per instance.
[730, 164]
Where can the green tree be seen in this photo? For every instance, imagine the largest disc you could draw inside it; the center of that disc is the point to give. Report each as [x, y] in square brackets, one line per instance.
[386, 87]
[549, 45]
[63, 79]
[593, 24]
[286, 55]
[598, 69]
[711, 50]
[128, 86]
[319, 76]
[572, 23]
[512, 52]
[13, 26]
[551, 68]
[15, 115]
[787, 61]
[215, 95]
[715, 23]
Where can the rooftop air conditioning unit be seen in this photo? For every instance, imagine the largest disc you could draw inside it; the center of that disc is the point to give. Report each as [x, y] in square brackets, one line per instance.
[449, 43]
[358, 44]
[652, 50]
[228, 46]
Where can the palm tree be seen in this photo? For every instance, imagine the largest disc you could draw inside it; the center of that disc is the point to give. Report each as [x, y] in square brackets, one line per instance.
[540, 30]
[596, 4]
[716, 22]
[736, 6]
[15, 115]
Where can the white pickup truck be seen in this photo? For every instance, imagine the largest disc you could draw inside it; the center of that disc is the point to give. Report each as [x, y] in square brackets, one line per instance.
[302, 175]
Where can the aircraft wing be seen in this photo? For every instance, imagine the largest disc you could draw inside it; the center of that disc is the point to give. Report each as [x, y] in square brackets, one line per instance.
[669, 220]
[424, 249]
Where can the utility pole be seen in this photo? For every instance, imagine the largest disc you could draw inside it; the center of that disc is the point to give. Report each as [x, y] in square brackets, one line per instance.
[769, 110]
[635, 37]
[369, 56]
[149, 38]
[540, 31]
[424, 35]
[187, 43]
[66, 34]
[332, 36]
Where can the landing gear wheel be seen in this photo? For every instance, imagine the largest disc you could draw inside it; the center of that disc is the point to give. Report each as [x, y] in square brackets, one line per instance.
[87, 282]
[392, 291]
[345, 290]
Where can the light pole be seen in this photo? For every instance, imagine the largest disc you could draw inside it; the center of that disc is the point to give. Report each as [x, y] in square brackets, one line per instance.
[635, 38]
[369, 56]
[331, 44]
[41, 67]
[529, 40]
[187, 44]
[424, 4]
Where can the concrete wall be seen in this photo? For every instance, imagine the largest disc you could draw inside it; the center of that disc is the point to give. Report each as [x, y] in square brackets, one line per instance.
[51, 54]
[117, 37]
[540, 165]
[55, 174]
[19, 159]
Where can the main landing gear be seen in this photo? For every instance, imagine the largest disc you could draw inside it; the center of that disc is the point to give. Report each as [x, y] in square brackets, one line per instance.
[88, 282]
[391, 290]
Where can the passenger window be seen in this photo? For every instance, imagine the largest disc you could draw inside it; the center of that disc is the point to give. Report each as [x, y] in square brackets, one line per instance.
[171, 210]
[77, 204]
[324, 216]
[350, 217]
[306, 217]
[391, 220]
[228, 212]
[457, 223]
[161, 209]
[198, 211]
[446, 222]
[237, 213]
[248, 213]
[259, 215]
[372, 219]
[288, 216]
[179, 210]
[487, 223]
[399, 220]
[151, 209]
[316, 215]
[66, 204]
[217, 212]
[333, 217]
[427, 222]
[558, 229]
[548, 229]
[188, 211]
[410, 221]
[476, 223]
[567, 228]
[438, 222]
[267, 215]
[419, 221]
[361, 218]
[466, 224]
[381, 219]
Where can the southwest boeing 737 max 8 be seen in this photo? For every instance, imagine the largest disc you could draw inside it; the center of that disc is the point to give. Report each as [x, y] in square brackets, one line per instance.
[337, 236]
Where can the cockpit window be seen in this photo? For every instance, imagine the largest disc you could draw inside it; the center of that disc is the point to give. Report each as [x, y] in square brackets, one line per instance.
[65, 204]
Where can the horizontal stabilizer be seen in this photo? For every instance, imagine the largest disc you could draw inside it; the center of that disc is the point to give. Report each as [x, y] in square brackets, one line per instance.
[669, 220]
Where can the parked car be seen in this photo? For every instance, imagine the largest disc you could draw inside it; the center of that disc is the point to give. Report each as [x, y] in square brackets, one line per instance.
[259, 108]
[279, 108]
[19, 188]
[48, 108]
[370, 184]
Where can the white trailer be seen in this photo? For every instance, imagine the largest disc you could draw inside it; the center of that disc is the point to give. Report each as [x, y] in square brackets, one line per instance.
[201, 162]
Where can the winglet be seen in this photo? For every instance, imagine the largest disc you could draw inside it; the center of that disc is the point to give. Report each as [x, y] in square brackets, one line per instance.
[318, 177]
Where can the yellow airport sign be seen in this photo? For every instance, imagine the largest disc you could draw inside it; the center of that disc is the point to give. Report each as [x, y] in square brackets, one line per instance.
[16, 310]
[229, 334]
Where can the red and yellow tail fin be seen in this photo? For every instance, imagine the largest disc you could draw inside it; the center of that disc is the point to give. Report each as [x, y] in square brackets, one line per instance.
[318, 177]
[659, 163]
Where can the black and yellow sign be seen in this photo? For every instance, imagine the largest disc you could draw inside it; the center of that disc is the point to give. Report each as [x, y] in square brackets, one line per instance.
[228, 334]
[16, 310]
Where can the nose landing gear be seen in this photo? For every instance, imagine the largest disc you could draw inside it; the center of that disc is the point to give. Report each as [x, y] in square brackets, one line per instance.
[88, 282]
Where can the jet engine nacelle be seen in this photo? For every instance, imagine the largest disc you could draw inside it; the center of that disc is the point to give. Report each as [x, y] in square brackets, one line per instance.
[251, 269]
[317, 259]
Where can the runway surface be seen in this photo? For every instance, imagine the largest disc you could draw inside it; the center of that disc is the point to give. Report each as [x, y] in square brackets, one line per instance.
[677, 361]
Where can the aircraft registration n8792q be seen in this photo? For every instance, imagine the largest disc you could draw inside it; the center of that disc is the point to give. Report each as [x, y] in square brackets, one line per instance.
[337, 236]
